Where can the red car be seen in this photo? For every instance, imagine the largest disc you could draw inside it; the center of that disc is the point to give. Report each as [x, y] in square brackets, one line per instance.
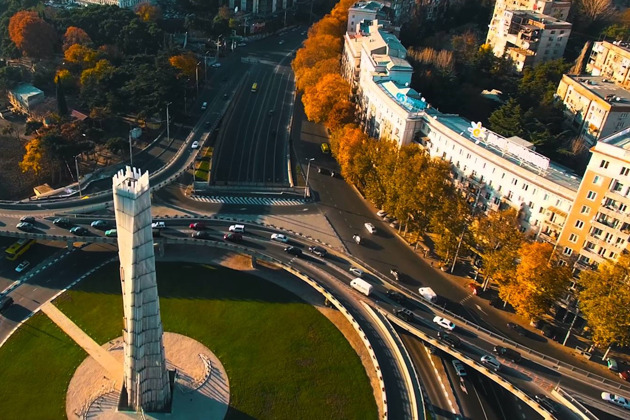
[233, 237]
[197, 226]
[625, 375]
[474, 289]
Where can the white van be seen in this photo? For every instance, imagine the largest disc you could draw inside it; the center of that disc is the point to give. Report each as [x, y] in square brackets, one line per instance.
[237, 228]
[362, 286]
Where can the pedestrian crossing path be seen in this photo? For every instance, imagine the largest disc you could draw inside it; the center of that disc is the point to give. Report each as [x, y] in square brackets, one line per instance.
[252, 201]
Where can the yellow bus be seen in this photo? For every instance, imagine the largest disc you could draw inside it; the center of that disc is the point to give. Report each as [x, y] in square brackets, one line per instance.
[254, 87]
[20, 247]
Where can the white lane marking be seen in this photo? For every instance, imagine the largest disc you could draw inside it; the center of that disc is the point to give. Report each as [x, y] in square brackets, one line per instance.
[480, 403]
[437, 375]
[479, 308]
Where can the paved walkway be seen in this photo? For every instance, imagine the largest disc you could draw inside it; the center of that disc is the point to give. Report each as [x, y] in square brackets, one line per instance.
[102, 356]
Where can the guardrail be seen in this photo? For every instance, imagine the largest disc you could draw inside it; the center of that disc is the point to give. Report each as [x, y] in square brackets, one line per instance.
[573, 404]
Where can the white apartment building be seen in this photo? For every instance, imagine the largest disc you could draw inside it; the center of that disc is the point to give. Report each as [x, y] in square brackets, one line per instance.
[594, 106]
[128, 4]
[610, 60]
[504, 171]
[363, 11]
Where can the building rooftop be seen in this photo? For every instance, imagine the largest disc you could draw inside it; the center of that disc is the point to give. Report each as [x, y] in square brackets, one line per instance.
[540, 18]
[404, 96]
[605, 88]
[620, 139]
[26, 90]
[368, 5]
[528, 159]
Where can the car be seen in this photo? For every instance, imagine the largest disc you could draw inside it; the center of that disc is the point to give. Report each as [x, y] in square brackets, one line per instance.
[195, 145]
[158, 225]
[241, 44]
[357, 239]
[612, 364]
[394, 224]
[202, 234]
[450, 339]
[5, 302]
[79, 230]
[404, 313]
[216, 65]
[517, 328]
[318, 250]
[549, 331]
[293, 250]
[459, 368]
[547, 403]
[625, 375]
[395, 273]
[279, 237]
[99, 224]
[381, 213]
[225, 96]
[396, 296]
[22, 266]
[233, 237]
[112, 233]
[356, 271]
[475, 289]
[197, 226]
[281, 42]
[325, 148]
[444, 323]
[491, 362]
[616, 400]
[370, 227]
[62, 222]
[323, 171]
[24, 226]
[507, 353]
[237, 228]
[27, 219]
[204, 106]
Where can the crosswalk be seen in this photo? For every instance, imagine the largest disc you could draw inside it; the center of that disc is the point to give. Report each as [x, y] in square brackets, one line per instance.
[252, 201]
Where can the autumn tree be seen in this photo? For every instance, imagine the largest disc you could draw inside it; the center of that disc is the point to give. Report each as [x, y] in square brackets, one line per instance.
[320, 99]
[148, 12]
[31, 34]
[450, 226]
[341, 114]
[186, 64]
[539, 280]
[75, 35]
[309, 76]
[604, 298]
[81, 55]
[345, 144]
[32, 159]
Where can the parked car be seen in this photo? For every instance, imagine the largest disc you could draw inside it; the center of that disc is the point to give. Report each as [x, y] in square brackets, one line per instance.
[616, 400]
[356, 271]
[99, 224]
[490, 362]
[612, 364]
[323, 171]
[279, 237]
[27, 219]
[79, 230]
[5, 302]
[625, 375]
[396, 296]
[318, 250]
[112, 233]
[381, 213]
[404, 313]
[62, 222]
[158, 225]
[507, 353]
[450, 339]
[197, 226]
[22, 266]
[195, 145]
[475, 289]
[547, 403]
[293, 250]
[233, 237]
[370, 227]
[517, 328]
[444, 323]
[201, 234]
[25, 226]
[459, 368]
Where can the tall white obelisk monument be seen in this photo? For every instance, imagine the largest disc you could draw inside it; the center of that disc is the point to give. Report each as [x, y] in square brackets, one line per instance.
[146, 379]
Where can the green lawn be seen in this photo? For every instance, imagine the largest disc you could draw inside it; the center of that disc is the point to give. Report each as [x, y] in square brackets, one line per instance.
[283, 358]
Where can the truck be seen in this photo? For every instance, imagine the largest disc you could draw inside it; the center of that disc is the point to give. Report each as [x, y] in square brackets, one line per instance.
[362, 286]
[428, 294]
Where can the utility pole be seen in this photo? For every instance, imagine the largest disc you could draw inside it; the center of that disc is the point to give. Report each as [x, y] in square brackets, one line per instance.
[197, 77]
[76, 165]
[308, 169]
[168, 124]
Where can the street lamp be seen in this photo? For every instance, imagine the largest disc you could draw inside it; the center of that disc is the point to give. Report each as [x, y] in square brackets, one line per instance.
[168, 124]
[308, 169]
[76, 165]
[197, 76]
[130, 149]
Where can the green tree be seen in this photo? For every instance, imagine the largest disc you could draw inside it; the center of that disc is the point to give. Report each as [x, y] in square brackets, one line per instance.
[450, 224]
[507, 120]
[603, 298]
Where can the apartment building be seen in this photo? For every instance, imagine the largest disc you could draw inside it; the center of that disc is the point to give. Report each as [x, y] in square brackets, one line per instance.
[594, 106]
[610, 60]
[120, 3]
[598, 226]
[503, 172]
[261, 7]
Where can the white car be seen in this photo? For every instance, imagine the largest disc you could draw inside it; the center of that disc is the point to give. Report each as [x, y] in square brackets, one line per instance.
[195, 145]
[381, 213]
[616, 399]
[370, 227]
[216, 65]
[23, 266]
[491, 362]
[158, 225]
[444, 323]
[279, 237]
[356, 271]
[281, 42]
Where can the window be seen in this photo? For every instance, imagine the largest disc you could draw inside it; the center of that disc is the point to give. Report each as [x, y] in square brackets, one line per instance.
[514, 181]
[585, 210]
[525, 187]
[589, 246]
[596, 232]
[603, 164]
[579, 224]
[567, 251]
[612, 255]
[591, 195]
[573, 238]
[597, 179]
[625, 171]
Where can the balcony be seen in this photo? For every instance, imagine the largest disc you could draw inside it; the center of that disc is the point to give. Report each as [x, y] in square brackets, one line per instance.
[612, 211]
[594, 256]
[617, 196]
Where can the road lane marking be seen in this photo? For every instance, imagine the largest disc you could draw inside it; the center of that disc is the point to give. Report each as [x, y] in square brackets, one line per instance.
[439, 377]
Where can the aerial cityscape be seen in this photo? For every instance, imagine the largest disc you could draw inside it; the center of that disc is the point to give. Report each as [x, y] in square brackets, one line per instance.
[315, 209]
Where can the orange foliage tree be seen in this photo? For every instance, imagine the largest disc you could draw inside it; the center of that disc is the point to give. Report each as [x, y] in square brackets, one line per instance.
[309, 76]
[148, 12]
[31, 34]
[345, 144]
[185, 63]
[74, 36]
[320, 99]
[82, 55]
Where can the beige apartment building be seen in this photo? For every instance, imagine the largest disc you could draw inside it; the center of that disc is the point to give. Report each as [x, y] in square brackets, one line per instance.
[610, 60]
[594, 106]
[598, 226]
